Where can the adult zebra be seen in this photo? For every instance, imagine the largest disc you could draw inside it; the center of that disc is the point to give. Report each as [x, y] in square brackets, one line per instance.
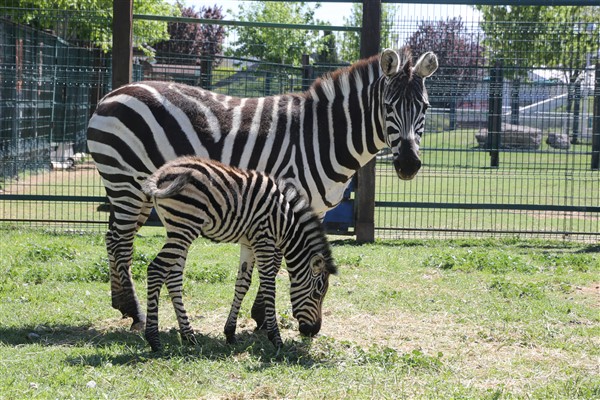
[317, 139]
[200, 197]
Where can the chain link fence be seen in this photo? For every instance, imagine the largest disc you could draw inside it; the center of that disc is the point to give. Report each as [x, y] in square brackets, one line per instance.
[514, 158]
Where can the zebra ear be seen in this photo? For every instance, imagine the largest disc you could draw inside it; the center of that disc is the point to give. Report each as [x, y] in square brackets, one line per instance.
[426, 65]
[389, 62]
[317, 264]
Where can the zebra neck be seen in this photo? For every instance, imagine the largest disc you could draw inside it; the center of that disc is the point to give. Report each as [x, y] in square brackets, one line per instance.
[347, 123]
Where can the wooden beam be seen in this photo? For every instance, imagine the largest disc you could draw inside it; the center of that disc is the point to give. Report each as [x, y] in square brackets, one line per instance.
[370, 42]
[122, 50]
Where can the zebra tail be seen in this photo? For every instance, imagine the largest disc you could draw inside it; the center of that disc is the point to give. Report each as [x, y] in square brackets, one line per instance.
[150, 187]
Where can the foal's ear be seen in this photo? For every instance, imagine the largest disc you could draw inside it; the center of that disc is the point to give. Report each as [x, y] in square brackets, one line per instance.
[426, 65]
[390, 62]
[317, 264]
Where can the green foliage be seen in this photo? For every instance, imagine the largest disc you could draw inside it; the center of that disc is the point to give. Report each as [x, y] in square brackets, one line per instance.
[207, 273]
[284, 46]
[535, 36]
[511, 290]
[496, 262]
[90, 21]
[349, 50]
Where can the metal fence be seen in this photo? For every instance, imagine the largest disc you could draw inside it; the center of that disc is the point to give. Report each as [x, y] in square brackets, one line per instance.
[508, 150]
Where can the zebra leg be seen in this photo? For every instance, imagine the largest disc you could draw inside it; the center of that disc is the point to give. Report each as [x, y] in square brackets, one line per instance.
[123, 293]
[242, 284]
[175, 287]
[157, 273]
[258, 308]
[267, 270]
[119, 245]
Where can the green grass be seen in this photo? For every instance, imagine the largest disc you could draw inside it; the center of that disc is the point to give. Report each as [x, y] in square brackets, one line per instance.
[480, 319]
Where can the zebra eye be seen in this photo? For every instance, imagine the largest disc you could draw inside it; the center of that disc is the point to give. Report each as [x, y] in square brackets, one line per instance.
[319, 288]
[389, 108]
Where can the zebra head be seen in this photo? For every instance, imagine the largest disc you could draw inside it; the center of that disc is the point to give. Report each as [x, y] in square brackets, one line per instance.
[307, 299]
[404, 105]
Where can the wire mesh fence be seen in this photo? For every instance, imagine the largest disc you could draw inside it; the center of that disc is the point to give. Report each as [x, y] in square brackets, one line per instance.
[50, 84]
[531, 175]
[538, 178]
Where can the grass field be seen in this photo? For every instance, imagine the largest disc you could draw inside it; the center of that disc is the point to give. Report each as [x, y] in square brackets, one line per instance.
[480, 319]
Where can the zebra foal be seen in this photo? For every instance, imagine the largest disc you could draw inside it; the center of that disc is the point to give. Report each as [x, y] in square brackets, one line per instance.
[198, 197]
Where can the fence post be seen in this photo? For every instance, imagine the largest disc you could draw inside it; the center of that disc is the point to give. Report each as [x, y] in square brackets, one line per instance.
[596, 123]
[206, 73]
[307, 72]
[370, 39]
[495, 114]
[576, 112]
[122, 51]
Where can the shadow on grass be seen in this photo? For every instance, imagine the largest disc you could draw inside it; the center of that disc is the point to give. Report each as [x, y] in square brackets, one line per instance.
[121, 347]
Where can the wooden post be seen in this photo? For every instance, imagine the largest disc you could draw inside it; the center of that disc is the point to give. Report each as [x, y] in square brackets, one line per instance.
[122, 51]
[365, 188]
[495, 114]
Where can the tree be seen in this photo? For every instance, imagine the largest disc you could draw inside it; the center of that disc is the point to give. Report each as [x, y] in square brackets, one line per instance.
[350, 41]
[89, 21]
[524, 37]
[284, 46]
[460, 57]
[189, 39]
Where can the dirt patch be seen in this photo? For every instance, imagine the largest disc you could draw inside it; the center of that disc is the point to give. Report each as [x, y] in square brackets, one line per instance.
[592, 291]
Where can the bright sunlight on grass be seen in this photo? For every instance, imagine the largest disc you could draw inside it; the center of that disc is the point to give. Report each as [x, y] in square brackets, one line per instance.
[481, 319]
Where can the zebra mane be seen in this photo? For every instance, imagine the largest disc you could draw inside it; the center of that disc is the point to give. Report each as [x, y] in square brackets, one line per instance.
[360, 69]
[312, 221]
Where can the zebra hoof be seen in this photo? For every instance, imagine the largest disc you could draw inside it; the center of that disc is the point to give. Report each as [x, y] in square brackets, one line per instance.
[138, 326]
[189, 338]
[153, 340]
[276, 340]
[156, 347]
[230, 338]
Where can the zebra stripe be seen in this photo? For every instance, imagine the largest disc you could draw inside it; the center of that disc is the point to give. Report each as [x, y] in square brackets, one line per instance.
[196, 197]
[317, 140]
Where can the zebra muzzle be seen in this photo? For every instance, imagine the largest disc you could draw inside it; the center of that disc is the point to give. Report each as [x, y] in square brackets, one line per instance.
[310, 329]
[407, 168]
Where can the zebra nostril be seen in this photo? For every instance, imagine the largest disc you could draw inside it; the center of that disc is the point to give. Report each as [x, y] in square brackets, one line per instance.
[310, 329]
[407, 169]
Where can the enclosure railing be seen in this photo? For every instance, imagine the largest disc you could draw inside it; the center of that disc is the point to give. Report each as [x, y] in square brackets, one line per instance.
[509, 148]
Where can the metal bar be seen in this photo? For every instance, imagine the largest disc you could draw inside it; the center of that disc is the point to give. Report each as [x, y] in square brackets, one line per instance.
[188, 20]
[492, 2]
[465, 2]
[365, 188]
[54, 221]
[506, 231]
[489, 206]
[32, 197]
[596, 122]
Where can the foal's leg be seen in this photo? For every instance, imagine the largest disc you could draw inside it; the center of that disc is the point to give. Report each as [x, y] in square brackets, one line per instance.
[258, 308]
[175, 287]
[167, 267]
[242, 284]
[267, 271]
